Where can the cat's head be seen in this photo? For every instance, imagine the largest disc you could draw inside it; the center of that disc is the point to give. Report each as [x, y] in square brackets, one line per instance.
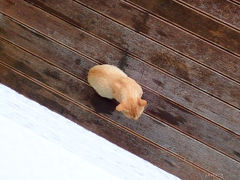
[132, 108]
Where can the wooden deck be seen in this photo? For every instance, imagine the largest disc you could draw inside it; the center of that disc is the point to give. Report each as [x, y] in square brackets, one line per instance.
[185, 54]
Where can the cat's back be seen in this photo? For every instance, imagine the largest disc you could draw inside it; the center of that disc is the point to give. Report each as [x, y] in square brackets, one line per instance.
[102, 77]
[106, 70]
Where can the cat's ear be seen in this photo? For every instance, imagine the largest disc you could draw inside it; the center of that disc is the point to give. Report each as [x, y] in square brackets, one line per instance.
[120, 107]
[142, 102]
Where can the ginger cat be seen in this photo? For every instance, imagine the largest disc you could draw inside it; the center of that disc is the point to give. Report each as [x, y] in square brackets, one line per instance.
[111, 82]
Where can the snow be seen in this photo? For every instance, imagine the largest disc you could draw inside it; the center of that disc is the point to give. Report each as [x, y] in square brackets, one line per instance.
[36, 143]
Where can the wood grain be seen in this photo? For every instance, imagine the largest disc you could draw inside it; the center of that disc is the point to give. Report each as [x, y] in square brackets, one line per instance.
[78, 65]
[225, 11]
[81, 42]
[100, 126]
[147, 127]
[203, 26]
[147, 50]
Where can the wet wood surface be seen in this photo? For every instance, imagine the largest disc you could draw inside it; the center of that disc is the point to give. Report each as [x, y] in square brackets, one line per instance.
[191, 126]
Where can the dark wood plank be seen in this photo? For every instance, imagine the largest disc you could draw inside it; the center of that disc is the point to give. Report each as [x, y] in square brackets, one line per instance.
[223, 10]
[78, 65]
[147, 50]
[237, 2]
[147, 127]
[173, 89]
[165, 34]
[102, 127]
[203, 26]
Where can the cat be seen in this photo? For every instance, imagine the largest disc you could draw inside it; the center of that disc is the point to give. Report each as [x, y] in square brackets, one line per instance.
[111, 82]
